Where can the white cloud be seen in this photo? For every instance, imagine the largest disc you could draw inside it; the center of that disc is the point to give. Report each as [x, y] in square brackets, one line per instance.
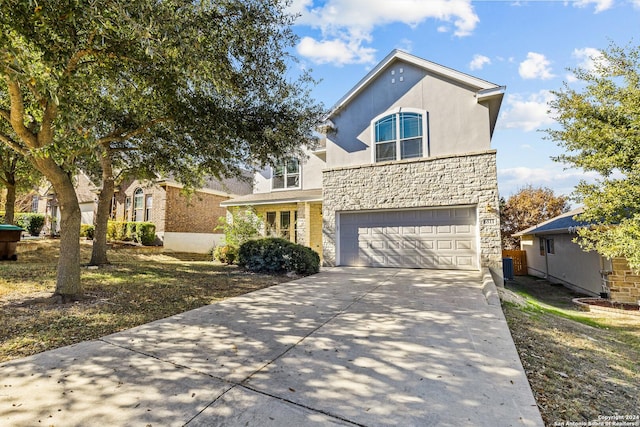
[635, 3]
[334, 51]
[536, 66]
[587, 58]
[351, 22]
[479, 61]
[526, 114]
[553, 175]
[601, 5]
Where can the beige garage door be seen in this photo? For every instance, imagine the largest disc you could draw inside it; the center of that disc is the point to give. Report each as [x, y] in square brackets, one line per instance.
[424, 238]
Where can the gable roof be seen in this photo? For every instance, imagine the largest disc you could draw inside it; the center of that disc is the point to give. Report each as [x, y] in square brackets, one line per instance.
[486, 92]
[560, 224]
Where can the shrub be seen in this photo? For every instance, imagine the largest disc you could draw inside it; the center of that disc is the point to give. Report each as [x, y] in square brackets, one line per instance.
[32, 222]
[87, 231]
[226, 254]
[276, 255]
[302, 260]
[145, 233]
[116, 230]
[140, 232]
[130, 231]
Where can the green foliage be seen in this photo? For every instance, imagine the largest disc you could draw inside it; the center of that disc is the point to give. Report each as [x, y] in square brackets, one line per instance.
[145, 233]
[243, 226]
[116, 230]
[32, 222]
[600, 129]
[226, 254]
[87, 230]
[140, 232]
[167, 88]
[276, 255]
[528, 207]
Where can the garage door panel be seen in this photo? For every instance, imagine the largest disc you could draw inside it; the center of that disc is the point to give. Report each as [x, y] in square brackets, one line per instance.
[435, 238]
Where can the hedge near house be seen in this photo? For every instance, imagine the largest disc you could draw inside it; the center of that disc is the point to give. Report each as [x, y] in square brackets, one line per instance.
[139, 232]
[276, 255]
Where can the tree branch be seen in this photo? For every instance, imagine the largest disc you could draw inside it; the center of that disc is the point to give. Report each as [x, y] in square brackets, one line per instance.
[13, 145]
[120, 136]
[16, 116]
[45, 136]
[5, 114]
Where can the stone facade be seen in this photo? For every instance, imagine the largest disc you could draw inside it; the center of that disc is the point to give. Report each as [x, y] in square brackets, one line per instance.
[455, 180]
[624, 284]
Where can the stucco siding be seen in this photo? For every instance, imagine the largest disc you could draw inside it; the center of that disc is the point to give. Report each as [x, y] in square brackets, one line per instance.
[568, 265]
[457, 123]
[311, 167]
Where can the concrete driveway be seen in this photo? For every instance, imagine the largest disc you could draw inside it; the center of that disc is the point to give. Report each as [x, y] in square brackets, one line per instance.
[348, 346]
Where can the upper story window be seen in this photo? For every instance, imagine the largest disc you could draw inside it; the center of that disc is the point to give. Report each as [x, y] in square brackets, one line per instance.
[286, 175]
[399, 136]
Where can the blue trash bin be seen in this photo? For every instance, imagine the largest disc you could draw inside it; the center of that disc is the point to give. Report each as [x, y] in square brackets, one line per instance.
[507, 268]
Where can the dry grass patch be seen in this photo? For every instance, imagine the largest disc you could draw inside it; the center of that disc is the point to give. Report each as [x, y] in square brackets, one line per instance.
[139, 286]
[581, 366]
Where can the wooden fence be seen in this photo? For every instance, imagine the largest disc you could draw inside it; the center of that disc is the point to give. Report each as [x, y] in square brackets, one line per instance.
[519, 261]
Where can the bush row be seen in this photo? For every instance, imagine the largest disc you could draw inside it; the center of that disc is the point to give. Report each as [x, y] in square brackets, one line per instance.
[276, 255]
[140, 232]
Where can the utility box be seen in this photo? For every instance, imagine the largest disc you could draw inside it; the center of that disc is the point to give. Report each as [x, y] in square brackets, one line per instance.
[9, 238]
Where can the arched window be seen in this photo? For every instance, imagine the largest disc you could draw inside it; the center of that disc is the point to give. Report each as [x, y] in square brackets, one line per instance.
[138, 205]
[399, 136]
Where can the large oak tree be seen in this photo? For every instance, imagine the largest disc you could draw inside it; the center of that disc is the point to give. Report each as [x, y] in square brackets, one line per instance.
[175, 87]
[599, 119]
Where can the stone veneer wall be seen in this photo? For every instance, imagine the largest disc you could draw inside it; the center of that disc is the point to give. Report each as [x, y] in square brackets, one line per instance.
[624, 284]
[469, 179]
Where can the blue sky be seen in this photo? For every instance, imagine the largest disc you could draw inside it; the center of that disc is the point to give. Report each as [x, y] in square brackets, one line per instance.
[525, 45]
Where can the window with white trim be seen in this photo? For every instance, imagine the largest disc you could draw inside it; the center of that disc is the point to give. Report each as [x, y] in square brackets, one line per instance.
[399, 136]
[138, 205]
[286, 175]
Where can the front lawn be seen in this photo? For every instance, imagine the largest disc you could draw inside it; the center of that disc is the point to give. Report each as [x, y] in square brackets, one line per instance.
[582, 366]
[139, 286]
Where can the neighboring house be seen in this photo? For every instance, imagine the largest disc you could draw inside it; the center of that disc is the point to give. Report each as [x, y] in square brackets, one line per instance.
[406, 176]
[553, 255]
[46, 202]
[184, 223]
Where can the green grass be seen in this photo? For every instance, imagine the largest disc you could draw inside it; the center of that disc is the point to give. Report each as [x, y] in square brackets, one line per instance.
[537, 306]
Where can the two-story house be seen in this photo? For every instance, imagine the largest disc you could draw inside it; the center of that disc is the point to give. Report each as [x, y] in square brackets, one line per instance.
[406, 177]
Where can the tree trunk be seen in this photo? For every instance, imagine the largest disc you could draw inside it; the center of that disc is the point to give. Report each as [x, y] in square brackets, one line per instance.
[10, 204]
[68, 284]
[99, 250]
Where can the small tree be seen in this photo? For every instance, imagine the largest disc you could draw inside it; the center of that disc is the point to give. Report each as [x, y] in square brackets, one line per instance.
[600, 129]
[239, 227]
[528, 207]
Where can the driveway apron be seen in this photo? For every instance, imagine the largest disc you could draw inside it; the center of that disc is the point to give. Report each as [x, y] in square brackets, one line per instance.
[346, 347]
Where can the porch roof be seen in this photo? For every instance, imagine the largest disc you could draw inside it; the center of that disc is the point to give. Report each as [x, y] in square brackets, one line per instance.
[276, 197]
